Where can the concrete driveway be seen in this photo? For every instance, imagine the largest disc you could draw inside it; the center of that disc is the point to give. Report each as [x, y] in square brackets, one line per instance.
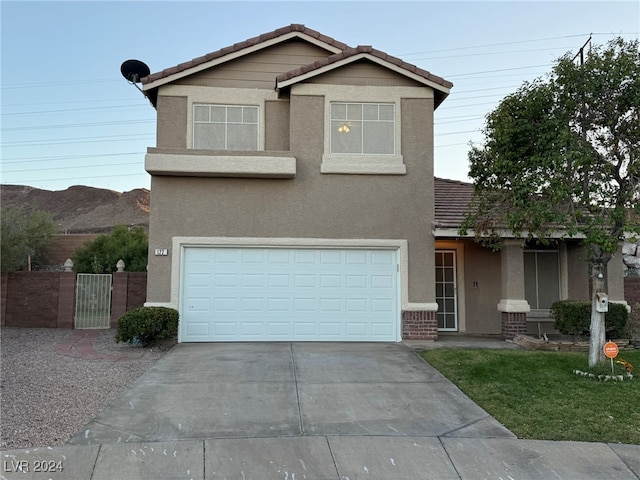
[306, 411]
[257, 390]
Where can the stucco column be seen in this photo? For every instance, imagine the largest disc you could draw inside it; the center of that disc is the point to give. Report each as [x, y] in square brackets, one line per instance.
[512, 304]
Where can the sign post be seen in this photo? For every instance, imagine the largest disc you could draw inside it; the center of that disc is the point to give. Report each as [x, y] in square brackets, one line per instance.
[611, 351]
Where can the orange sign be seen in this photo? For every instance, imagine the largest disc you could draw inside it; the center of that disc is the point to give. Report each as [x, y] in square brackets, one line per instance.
[610, 350]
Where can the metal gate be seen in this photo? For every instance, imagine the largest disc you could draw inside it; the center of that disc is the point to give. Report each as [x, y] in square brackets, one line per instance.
[93, 301]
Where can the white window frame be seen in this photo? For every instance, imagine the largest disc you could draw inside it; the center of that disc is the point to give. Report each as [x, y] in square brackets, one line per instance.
[362, 164]
[222, 96]
[226, 122]
[347, 125]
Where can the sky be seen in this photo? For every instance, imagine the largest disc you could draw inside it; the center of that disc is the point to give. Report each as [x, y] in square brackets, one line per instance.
[68, 117]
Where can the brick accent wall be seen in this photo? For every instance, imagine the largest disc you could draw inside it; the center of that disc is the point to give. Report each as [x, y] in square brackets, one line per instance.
[513, 324]
[419, 325]
[632, 290]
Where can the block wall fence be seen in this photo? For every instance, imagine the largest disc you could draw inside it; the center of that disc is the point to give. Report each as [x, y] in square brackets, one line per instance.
[46, 299]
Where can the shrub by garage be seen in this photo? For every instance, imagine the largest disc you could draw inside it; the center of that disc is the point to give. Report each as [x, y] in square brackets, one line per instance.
[147, 325]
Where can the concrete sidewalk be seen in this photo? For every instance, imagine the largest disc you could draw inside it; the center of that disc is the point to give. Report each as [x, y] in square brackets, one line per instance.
[329, 457]
[306, 411]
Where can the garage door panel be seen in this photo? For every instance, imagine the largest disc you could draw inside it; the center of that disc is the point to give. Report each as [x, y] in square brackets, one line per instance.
[198, 329]
[225, 279]
[382, 257]
[356, 257]
[302, 305]
[252, 280]
[304, 257]
[252, 294]
[279, 305]
[304, 280]
[224, 329]
[380, 305]
[331, 305]
[356, 305]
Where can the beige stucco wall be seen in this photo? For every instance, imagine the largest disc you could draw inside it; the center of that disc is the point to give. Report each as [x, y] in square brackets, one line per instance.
[310, 205]
[171, 128]
[277, 125]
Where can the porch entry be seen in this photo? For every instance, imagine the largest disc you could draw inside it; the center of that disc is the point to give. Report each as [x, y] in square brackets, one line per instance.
[446, 290]
[93, 301]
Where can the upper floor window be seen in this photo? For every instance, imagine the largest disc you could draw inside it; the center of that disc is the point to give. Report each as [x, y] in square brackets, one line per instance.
[363, 128]
[225, 127]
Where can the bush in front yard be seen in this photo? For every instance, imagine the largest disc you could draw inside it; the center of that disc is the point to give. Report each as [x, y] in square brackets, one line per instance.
[573, 317]
[147, 325]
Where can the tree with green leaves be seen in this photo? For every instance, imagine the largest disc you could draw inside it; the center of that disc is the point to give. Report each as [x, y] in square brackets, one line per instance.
[563, 154]
[102, 254]
[25, 238]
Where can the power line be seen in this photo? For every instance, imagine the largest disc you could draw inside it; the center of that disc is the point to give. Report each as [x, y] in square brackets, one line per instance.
[516, 42]
[58, 83]
[67, 168]
[74, 125]
[479, 54]
[495, 71]
[65, 102]
[56, 141]
[68, 157]
[73, 110]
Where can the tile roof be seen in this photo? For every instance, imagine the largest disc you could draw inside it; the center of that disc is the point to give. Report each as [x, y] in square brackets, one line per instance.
[341, 52]
[452, 198]
[351, 52]
[242, 45]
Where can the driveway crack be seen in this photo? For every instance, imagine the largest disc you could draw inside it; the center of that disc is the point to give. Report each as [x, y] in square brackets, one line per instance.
[295, 381]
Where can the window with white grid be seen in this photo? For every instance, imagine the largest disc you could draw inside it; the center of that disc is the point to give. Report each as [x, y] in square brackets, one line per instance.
[362, 128]
[225, 127]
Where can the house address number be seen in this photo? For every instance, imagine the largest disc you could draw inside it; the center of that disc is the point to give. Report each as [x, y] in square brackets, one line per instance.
[162, 252]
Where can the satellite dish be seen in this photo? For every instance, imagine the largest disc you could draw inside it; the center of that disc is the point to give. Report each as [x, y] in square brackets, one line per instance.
[134, 70]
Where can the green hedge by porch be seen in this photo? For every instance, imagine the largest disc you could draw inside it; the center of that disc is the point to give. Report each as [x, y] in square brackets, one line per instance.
[573, 317]
[146, 325]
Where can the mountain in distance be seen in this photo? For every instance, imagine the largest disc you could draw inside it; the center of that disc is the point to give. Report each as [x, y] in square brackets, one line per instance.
[82, 209]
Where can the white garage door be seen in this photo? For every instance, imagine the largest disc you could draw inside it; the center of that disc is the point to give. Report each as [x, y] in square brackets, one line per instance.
[289, 294]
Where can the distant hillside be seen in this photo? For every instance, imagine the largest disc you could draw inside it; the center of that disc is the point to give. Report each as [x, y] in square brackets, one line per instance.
[81, 209]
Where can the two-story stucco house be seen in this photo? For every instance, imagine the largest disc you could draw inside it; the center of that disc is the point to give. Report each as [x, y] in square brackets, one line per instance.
[292, 187]
[293, 199]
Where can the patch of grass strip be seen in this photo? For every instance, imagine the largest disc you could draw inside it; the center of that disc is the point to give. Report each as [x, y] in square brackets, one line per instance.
[536, 395]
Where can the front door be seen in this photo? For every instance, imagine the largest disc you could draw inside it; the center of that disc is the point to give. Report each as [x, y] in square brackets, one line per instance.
[446, 290]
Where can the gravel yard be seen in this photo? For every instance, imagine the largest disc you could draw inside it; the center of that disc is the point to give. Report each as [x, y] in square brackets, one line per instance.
[46, 397]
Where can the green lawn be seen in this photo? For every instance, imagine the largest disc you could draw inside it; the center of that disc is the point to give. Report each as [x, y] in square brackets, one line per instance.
[536, 395]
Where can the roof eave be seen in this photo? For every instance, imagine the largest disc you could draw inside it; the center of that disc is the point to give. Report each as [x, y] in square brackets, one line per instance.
[444, 91]
[237, 54]
[454, 232]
